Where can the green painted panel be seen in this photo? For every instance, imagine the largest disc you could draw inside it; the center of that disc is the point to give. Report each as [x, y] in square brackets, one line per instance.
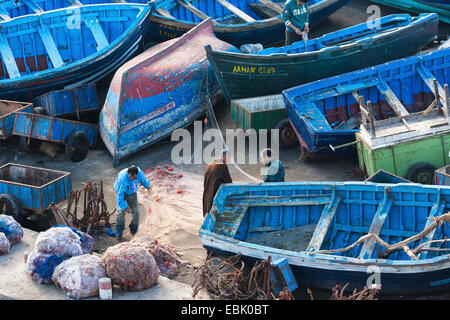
[401, 157]
[256, 120]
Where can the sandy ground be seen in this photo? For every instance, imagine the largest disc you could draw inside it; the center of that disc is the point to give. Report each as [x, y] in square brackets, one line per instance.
[173, 220]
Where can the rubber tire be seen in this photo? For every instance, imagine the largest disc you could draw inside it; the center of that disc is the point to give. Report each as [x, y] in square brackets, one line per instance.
[286, 129]
[13, 206]
[421, 172]
[77, 146]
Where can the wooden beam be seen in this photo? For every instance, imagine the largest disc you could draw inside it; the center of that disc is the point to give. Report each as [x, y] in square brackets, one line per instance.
[50, 46]
[323, 224]
[193, 9]
[371, 119]
[271, 5]
[437, 210]
[241, 14]
[4, 15]
[447, 101]
[97, 32]
[33, 6]
[428, 78]
[391, 98]
[376, 226]
[8, 58]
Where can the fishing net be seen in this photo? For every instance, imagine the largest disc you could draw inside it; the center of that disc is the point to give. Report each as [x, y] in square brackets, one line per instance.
[4, 244]
[166, 257]
[78, 276]
[87, 242]
[173, 215]
[61, 241]
[130, 266]
[11, 228]
[50, 249]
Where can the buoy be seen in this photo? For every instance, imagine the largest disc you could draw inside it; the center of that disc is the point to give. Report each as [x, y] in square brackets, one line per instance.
[166, 165]
[179, 191]
[170, 169]
[180, 175]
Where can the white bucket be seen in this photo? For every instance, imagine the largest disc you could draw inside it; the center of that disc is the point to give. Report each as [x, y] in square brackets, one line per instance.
[105, 288]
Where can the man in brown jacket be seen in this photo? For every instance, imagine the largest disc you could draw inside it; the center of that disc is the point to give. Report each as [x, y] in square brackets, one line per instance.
[216, 173]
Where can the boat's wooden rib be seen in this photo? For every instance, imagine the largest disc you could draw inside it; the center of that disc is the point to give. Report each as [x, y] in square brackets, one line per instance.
[98, 33]
[50, 46]
[164, 13]
[376, 226]
[4, 15]
[324, 224]
[8, 58]
[437, 210]
[238, 12]
[429, 80]
[33, 6]
[271, 5]
[193, 9]
[391, 98]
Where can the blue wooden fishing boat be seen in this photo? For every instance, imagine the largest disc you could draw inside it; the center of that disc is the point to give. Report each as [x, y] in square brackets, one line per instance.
[69, 102]
[441, 7]
[272, 70]
[166, 87]
[302, 221]
[235, 21]
[326, 113]
[68, 47]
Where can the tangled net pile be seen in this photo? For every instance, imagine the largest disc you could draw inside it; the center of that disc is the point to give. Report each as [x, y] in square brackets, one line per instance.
[10, 233]
[166, 257]
[229, 280]
[130, 266]
[78, 276]
[52, 247]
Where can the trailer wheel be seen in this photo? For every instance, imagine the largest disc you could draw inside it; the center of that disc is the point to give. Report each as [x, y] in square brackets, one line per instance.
[288, 138]
[422, 172]
[10, 206]
[31, 147]
[77, 146]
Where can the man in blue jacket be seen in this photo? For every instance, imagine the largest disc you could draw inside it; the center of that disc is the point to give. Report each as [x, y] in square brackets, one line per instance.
[275, 169]
[296, 19]
[126, 186]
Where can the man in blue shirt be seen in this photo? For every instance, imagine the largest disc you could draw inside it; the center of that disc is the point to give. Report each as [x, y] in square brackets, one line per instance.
[296, 19]
[126, 186]
[275, 171]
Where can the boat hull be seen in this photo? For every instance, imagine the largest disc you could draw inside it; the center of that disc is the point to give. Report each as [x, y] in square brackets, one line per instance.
[165, 88]
[90, 70]
[244, 75]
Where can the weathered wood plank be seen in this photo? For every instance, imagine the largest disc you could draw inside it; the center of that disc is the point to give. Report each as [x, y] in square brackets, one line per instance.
[193, 9]
[8, 58]
[437, 210]
[98, 33]
[270, 201]
[323, 224]
[50, 46]
[33, 6]
[164, 13]
[241, 14]
[391, 98]
[428, 78]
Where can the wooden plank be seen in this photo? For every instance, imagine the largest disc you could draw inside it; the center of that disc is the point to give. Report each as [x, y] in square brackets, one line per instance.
[33, 6]
[323, 224]
[391, 98]
[279, 201]
[447, 101]
[193, 9]
[376, 226]
[164, 13]
[4, 15]
[272, 5]
[50, 46]
[97, 32]
[8, 58]
[437, 210]
[241, 14]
